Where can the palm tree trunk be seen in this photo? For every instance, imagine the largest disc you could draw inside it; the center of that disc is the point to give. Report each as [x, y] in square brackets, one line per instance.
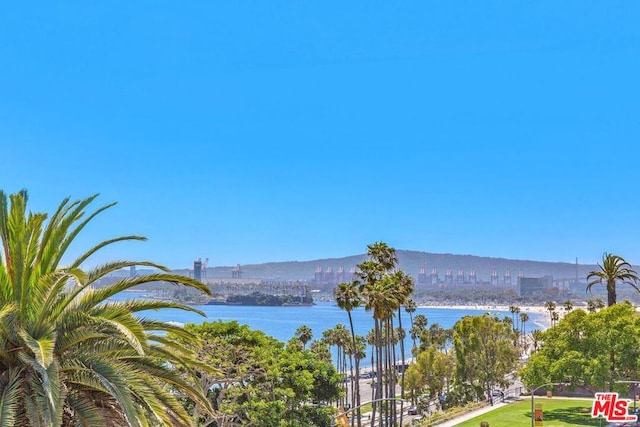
[344, 369]
[357, 375]
[379, 373]
[391, 372]
[611, 293]
[352, 385]
[413, 337]
[401, 337]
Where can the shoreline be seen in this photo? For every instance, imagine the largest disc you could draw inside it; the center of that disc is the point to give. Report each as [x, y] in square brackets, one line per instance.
[544, 322]
[538, 309]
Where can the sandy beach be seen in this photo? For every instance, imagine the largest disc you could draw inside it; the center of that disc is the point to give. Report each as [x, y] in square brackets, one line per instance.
[544, 322]
[525, 308]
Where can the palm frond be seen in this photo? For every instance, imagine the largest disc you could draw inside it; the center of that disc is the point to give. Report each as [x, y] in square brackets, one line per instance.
[101, 271]
[91, 299]
[82, 258]
[42, 348]
[9, 396]
[82, 410]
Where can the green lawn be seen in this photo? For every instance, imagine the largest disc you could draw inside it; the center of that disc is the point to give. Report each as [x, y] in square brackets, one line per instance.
[557, 412]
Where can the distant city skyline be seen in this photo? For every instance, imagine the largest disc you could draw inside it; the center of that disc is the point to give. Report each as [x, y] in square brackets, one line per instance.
[291, 131]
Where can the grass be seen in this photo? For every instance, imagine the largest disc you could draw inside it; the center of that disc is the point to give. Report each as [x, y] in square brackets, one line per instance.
[452, 413]
[557, 412]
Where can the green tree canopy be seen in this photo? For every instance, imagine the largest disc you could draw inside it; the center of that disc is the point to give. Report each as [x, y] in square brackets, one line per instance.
[69, 355]
[484, 356]
[259, 380]
[590, 350]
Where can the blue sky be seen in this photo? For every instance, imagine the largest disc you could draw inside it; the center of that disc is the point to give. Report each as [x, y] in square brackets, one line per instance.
[249, 132]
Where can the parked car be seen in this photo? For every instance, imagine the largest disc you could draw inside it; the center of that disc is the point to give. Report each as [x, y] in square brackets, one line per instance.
[413, 410]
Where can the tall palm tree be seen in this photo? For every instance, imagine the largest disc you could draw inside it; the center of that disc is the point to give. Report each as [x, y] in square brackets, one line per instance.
[551, 307]
[418, 330]
[524, 318]
[348, 298]
[614, 269]
[410, 307]
[331, 338]
[384, 290]
[304, 334]
[555, 317]
[514, 310]
[405, 287]
[381, 298]
[69, 355]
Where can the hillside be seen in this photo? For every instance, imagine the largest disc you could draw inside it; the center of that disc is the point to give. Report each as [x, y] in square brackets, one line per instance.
[410, 262]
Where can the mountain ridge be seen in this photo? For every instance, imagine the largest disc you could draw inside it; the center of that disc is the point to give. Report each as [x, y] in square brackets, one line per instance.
[411, 262]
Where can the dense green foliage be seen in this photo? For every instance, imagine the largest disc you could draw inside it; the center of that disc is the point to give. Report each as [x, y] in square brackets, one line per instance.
[259, 380]
[431, 373]
[68, 354]
[485, 354]
[485, 349]
[590, 350]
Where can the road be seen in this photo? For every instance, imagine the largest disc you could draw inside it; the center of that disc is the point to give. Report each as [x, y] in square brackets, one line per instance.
[366, 396]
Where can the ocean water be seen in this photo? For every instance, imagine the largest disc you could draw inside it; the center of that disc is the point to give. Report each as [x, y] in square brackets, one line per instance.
[282, 322]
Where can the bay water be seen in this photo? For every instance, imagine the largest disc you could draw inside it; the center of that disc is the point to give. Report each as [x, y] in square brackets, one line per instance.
[282, 322]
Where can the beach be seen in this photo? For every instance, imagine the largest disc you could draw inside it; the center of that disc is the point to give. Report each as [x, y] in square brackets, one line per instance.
[543, 319]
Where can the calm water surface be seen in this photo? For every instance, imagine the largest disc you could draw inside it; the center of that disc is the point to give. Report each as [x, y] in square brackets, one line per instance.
[282, 322]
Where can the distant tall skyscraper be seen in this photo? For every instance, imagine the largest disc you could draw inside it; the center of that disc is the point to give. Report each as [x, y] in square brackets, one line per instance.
[197, 269]
[132, 271]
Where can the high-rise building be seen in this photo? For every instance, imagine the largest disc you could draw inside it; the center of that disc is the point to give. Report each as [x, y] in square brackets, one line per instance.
[534, 285]
[197, 269]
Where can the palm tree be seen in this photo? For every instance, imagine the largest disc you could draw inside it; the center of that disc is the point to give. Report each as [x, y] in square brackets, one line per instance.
[524, 318]
[613, 269]
[384, 290]
[514, 310]
[69, 355]
[568, 305]
[419, 328]
[554, 318]
[348, 298]
[410, 307]
[536, 337]
[405, 287]
[550, 306]
[339, 337]
[382, 299]
[304, 334]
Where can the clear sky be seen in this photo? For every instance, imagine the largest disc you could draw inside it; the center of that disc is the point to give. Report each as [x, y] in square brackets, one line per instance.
[250, 132]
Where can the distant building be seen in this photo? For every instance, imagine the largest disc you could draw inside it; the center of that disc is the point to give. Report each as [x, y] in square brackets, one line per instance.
[534, 285]
[197, 269]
